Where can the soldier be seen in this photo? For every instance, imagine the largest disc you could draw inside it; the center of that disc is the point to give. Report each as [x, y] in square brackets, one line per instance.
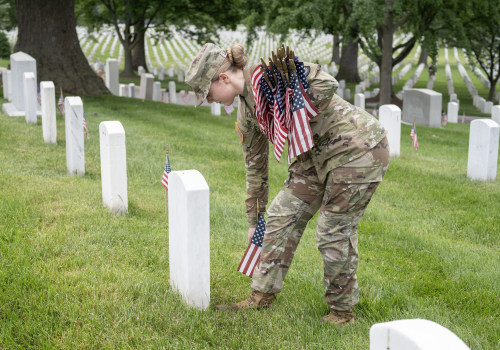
[338, 177]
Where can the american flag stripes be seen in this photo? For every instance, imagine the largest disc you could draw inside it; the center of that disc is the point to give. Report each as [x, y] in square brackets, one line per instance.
[252, 254]
[60, 103]
[164, 178]
[413, 135]
[38, 96]
[300, 135]
[85, 128]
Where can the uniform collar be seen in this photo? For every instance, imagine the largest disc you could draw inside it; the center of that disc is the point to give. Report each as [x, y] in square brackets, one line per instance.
[247, 88]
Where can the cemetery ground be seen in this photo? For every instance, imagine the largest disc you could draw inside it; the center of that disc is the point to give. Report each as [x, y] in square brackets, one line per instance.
[72, 275]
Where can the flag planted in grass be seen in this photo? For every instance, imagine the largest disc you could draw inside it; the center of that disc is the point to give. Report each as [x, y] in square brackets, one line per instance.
[252, 254]
[413, 135]
[164, 178]
[60, 103]
[85, 128]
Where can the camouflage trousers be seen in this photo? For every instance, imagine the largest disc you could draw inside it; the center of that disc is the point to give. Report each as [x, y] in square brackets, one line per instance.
[341, 201]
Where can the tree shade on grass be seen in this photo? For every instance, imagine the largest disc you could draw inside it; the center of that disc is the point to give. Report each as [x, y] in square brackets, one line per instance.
[73, 275]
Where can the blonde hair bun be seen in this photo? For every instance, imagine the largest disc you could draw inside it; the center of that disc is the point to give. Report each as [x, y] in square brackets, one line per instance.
[236, 55]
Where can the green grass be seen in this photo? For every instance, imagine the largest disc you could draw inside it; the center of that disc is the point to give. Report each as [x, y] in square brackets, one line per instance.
[72, 275]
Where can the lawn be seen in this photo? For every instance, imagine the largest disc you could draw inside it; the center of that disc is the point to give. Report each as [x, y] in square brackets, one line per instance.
[72, 275]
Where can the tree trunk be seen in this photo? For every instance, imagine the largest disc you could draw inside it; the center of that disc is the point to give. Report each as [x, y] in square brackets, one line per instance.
[336, 49]
[138, 52]
[129, 68]
[386, 64]
[491, 93]
[348, 69]
[423, 57]
[47, 32]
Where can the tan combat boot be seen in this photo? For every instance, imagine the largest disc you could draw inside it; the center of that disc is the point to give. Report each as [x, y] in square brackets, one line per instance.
[257, 300]
[339, 317]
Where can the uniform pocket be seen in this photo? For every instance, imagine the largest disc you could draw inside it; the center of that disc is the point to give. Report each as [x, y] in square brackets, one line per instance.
[357, 175]
[284, 212]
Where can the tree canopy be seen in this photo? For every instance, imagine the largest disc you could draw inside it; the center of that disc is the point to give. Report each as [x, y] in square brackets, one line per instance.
[131, 18]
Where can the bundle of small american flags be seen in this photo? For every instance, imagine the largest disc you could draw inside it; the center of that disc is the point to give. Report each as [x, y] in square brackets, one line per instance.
[282, 106]
[252, 254]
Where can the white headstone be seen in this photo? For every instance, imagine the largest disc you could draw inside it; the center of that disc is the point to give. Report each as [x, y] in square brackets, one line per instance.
[342, 84]
[416, 334]
[475, 100]
[30, 99]
[146, 90]
[20, 63]
[480, 104]
[340, 93]
[180, 76]
[359, 100]
[131, 90]
[487, 107]
[359, 89]
[123, 90]
[189, 238]
[390, 118]
[424, 106]
[141, 70]
[483, 150]
[157, 91]
[453, 97]
[452, 112]
[112, 76]
[172, 93]
[9, 81]
[161, 75]
[347, 94]
[73, 120]
[495, 114]
[113, 167]
[5, 83]
[48, 98]
[215, 108]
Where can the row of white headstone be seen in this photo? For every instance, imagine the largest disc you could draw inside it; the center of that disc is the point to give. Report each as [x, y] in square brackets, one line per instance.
[19, 86]
[149, 89]
[423, 106]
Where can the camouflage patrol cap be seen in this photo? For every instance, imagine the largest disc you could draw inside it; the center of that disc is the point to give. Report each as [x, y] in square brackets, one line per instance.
[203, 68]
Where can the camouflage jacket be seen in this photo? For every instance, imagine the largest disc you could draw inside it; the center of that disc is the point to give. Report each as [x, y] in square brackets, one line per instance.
[341, 133]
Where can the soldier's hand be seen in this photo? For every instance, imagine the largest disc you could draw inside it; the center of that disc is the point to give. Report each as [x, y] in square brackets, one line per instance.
[251, 231]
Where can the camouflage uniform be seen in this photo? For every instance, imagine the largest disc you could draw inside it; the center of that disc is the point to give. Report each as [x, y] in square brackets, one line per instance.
[338, 177]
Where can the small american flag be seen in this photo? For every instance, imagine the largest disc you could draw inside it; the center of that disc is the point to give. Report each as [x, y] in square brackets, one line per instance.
[164, 178]
[413, 135]
[60, 103]
[85, 126]
[38, 96]
[252, 254]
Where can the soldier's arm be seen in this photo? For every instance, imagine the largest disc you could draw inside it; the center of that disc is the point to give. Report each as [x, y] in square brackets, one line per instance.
[322, 86]
[256, 154]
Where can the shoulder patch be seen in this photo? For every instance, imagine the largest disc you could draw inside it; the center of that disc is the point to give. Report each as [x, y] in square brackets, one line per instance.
[238, 132]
